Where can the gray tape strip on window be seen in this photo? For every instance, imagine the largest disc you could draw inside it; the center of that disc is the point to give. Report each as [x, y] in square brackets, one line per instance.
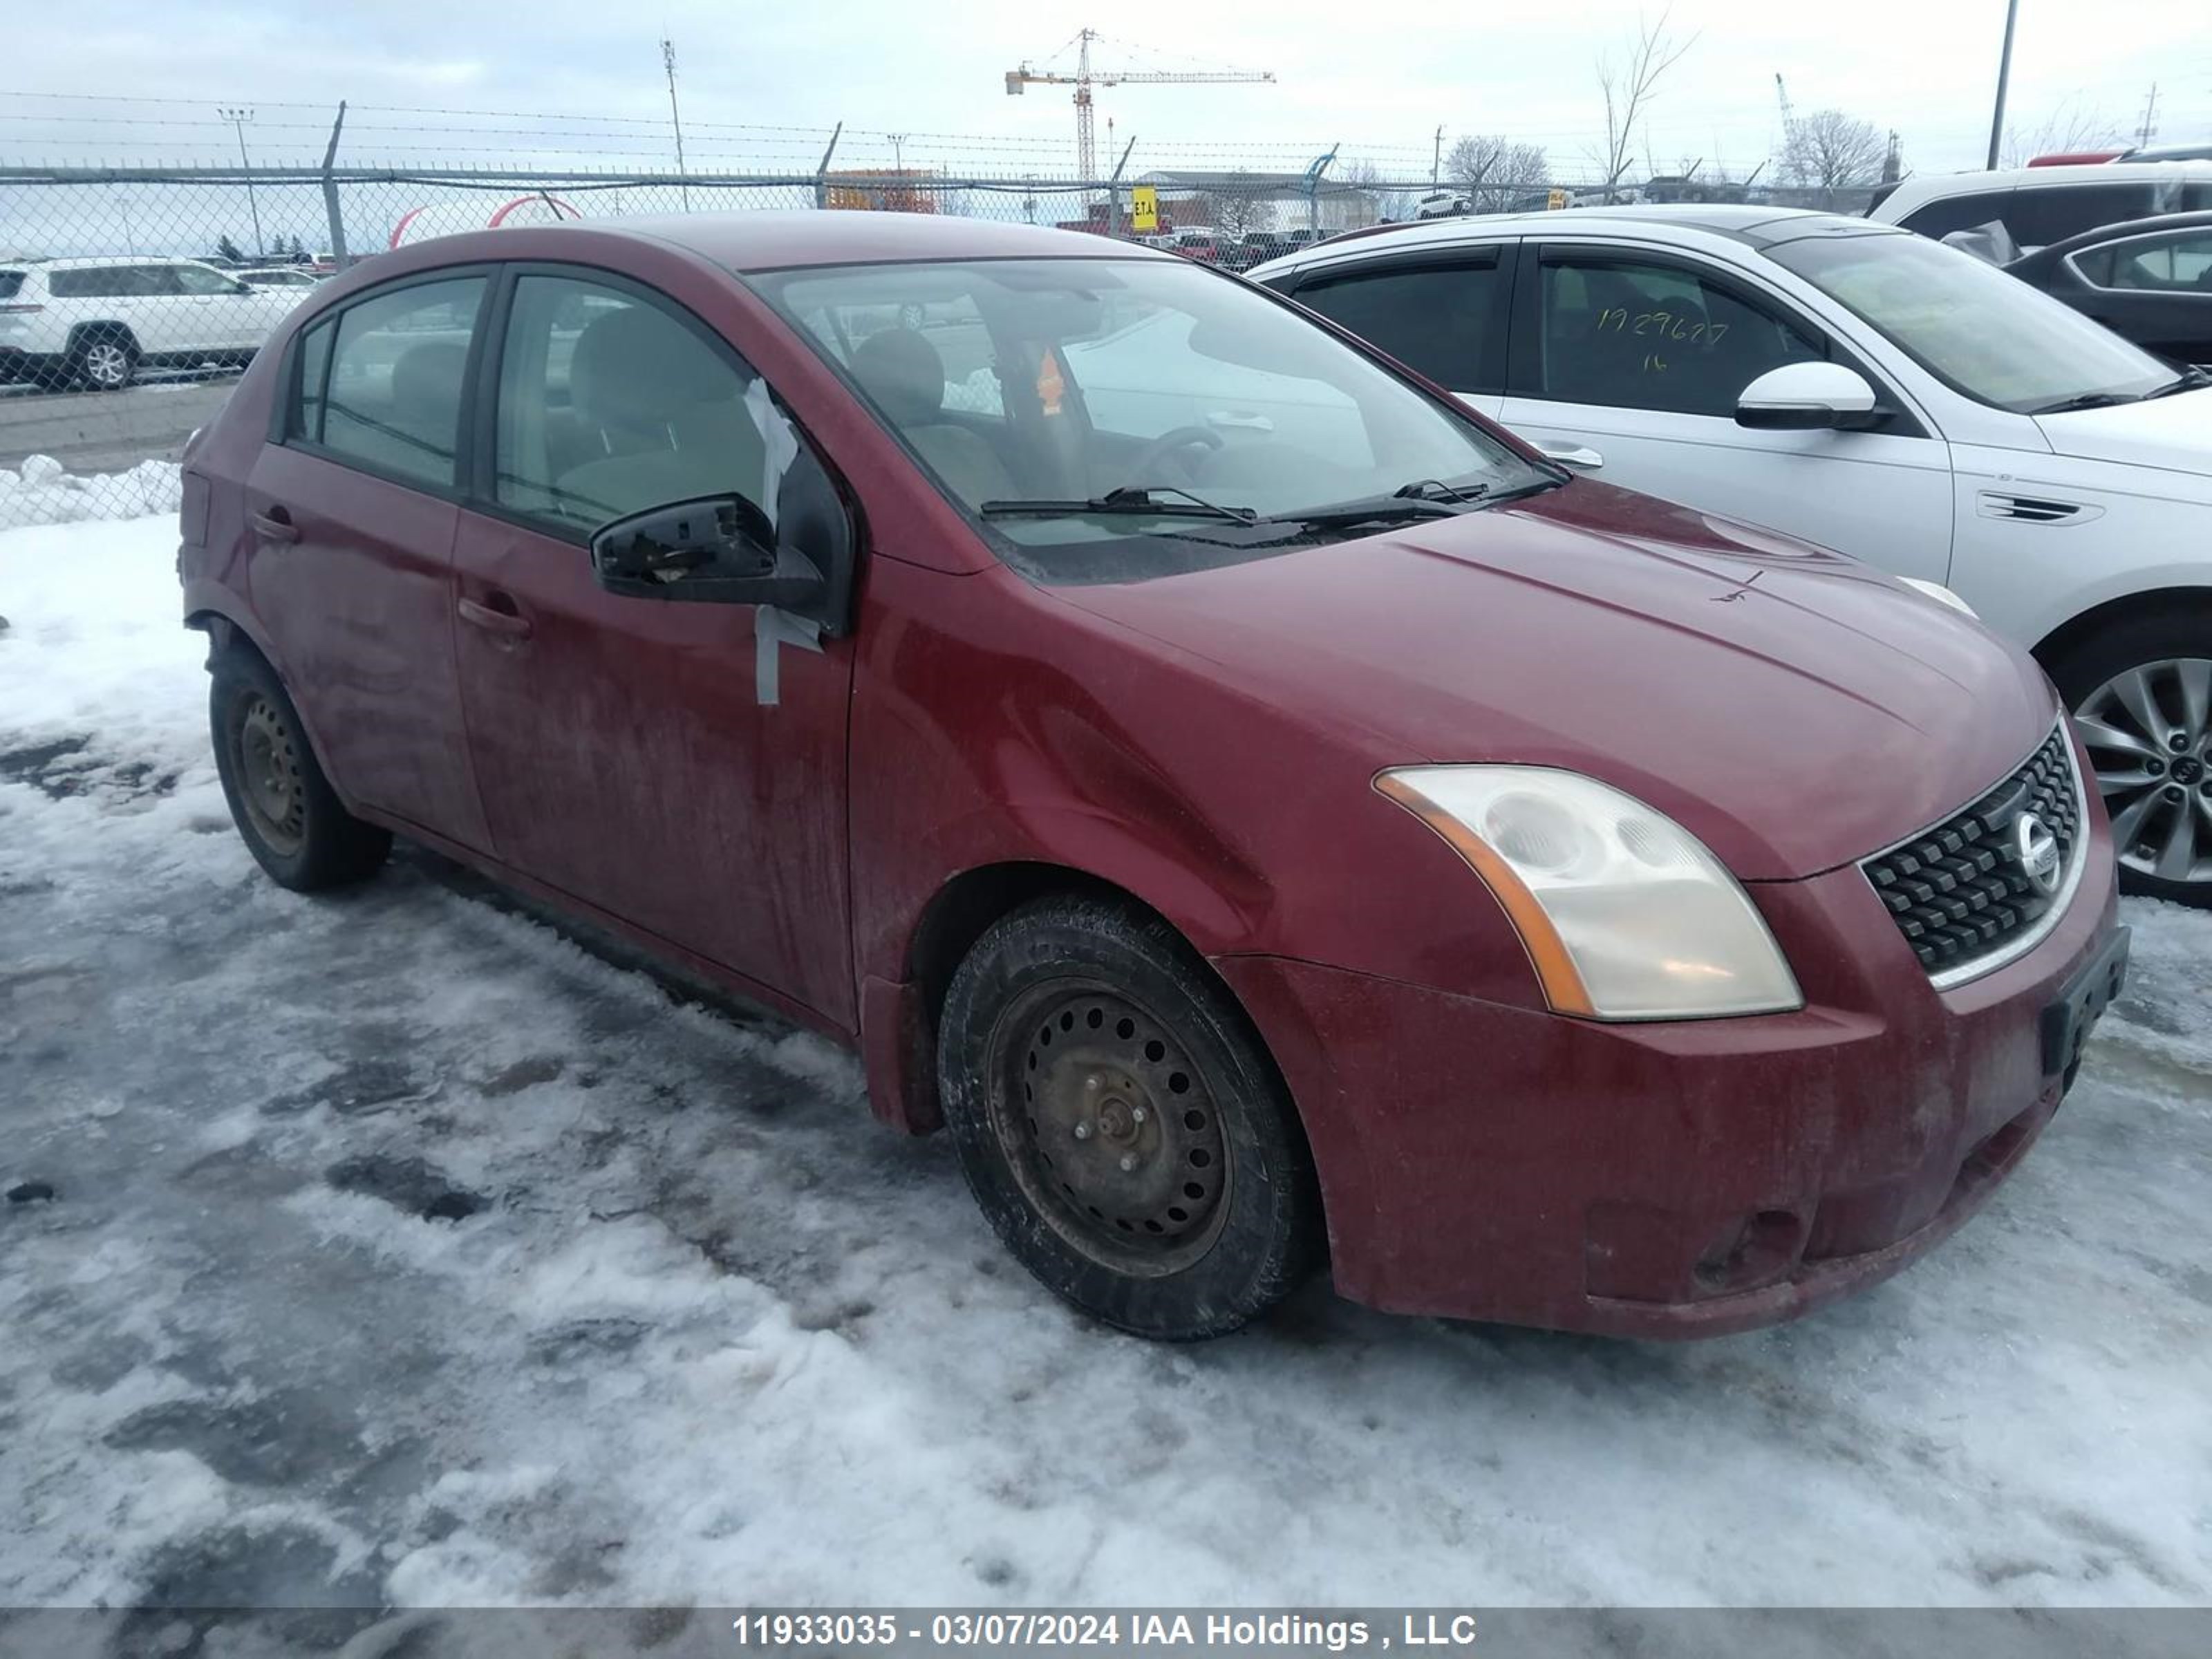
[773, 629]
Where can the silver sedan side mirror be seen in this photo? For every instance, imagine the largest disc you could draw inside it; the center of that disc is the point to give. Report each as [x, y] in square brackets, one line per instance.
[1807, 398]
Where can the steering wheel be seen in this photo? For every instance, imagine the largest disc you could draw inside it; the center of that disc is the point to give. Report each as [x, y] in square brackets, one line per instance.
[1168, 443]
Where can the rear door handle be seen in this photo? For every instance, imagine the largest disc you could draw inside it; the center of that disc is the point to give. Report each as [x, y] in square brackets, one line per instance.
[506, 622]
[1572, 454]
[274, 525]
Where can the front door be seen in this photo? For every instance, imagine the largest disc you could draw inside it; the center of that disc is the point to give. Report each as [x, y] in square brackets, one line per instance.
[653, 758]
[351, 530]
[1628, 368]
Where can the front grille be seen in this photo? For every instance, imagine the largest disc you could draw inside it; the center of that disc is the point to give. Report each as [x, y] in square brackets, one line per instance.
[1957, 890]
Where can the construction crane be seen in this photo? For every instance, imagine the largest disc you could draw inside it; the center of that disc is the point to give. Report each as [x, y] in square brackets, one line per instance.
[1789, 152]
[1086, 77]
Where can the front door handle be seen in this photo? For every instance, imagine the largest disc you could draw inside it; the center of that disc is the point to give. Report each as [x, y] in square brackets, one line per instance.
[1572, 454]
[274, 525]
[507, 621]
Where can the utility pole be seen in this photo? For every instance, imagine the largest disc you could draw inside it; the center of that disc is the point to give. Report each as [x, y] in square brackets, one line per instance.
[1436, 160]
[674, 116]
[2148, 130]
[2004, 77]
[238, 117]
[898, 151]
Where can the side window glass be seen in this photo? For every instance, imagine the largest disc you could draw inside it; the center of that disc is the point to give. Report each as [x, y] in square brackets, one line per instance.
[149, 281]
[397, 370]
[192, 279]
[2040, 215]
[610, 405]
[1442, 322]
[1954, 213]
[1649, 337]
[313, 361]
[2178, 264]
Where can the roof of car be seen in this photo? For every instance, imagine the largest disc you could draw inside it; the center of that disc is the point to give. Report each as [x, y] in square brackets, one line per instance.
[1756, 226]
[1935, 186]
[770, 241]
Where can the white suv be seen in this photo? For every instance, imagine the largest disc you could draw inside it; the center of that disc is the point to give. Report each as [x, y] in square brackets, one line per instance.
[94, 322]
[2042, 205]
[1862, 387]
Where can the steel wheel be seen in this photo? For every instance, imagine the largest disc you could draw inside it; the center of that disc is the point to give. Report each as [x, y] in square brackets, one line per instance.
[2149, 735]
[1109, 1127]
[107, 364]
[273, 792]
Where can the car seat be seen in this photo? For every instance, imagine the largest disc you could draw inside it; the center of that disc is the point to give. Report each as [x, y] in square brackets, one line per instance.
[903, 372]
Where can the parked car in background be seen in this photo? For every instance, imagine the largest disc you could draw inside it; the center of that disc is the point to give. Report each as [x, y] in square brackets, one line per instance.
[1257, 247]
[95, 322]
[2148, 279]
[299, 278]
[1202, 245]
[1869, 391]
[1574, 910]
[2038, 206]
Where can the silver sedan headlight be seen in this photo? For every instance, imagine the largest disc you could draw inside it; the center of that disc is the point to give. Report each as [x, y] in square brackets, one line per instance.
[1624, 914]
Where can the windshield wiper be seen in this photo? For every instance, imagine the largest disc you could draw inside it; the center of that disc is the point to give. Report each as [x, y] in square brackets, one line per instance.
[2188, 380]
[2088, 400]
[1128, 501]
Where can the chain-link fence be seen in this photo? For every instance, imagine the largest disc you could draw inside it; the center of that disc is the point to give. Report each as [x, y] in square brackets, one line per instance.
[132, 299]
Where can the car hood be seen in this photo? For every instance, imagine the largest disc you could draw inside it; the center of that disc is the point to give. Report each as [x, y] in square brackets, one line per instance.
[2172, 433]
[1793, 708]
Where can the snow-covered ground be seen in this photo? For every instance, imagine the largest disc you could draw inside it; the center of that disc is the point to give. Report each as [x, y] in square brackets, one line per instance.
[401, 1250]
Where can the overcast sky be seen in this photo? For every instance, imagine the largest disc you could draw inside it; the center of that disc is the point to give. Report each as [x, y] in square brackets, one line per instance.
[760, 83]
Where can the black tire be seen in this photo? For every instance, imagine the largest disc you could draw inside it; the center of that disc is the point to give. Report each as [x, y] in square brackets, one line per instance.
[1151, 1172]
[2161, 648]
[286, 811]
[104, 359]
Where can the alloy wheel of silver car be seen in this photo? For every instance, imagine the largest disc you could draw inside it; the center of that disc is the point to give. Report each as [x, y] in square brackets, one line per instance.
[107, 364]
[2149, 735]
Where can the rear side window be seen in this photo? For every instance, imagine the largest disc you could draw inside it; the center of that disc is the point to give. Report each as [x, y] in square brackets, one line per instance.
[1446, 321]
[610, 404]
[398, 364]
[2173, 265]
[11, 284]
[109, 282]
[312, 361]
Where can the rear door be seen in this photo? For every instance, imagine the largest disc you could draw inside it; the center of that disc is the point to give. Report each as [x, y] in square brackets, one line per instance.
[224, 314]
[351, 509]
[1443, 313]
[678, 765]
[1627, 364]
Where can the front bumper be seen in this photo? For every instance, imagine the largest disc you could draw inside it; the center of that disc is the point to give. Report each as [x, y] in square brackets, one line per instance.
[1683, 1178]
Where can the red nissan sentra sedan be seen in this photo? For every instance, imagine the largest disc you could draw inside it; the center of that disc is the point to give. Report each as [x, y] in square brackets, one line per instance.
[1253, 803]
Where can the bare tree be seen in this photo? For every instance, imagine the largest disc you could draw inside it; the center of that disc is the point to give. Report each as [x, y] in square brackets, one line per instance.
[1492, 170]
[1627, 85]
[1831, 151]
[1234, 207]
[2066, 129]
[1386, 202]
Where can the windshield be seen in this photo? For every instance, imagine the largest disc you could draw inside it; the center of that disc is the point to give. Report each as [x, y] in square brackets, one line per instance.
[1034, 389]
[1982, 332]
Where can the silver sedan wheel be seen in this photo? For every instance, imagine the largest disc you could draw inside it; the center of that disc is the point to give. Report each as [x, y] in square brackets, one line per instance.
[2149, 735]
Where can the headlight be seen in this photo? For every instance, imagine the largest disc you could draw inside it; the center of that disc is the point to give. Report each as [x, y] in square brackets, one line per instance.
[1624, 914]
[1940, 593]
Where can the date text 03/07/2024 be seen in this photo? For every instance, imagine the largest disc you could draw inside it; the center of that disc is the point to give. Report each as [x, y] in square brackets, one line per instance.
[972, 1628]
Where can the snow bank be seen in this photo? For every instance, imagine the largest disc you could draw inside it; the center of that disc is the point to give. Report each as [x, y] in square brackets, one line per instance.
[41, 492]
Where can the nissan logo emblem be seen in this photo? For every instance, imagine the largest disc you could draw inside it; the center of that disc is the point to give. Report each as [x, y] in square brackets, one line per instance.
[2037, 848]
